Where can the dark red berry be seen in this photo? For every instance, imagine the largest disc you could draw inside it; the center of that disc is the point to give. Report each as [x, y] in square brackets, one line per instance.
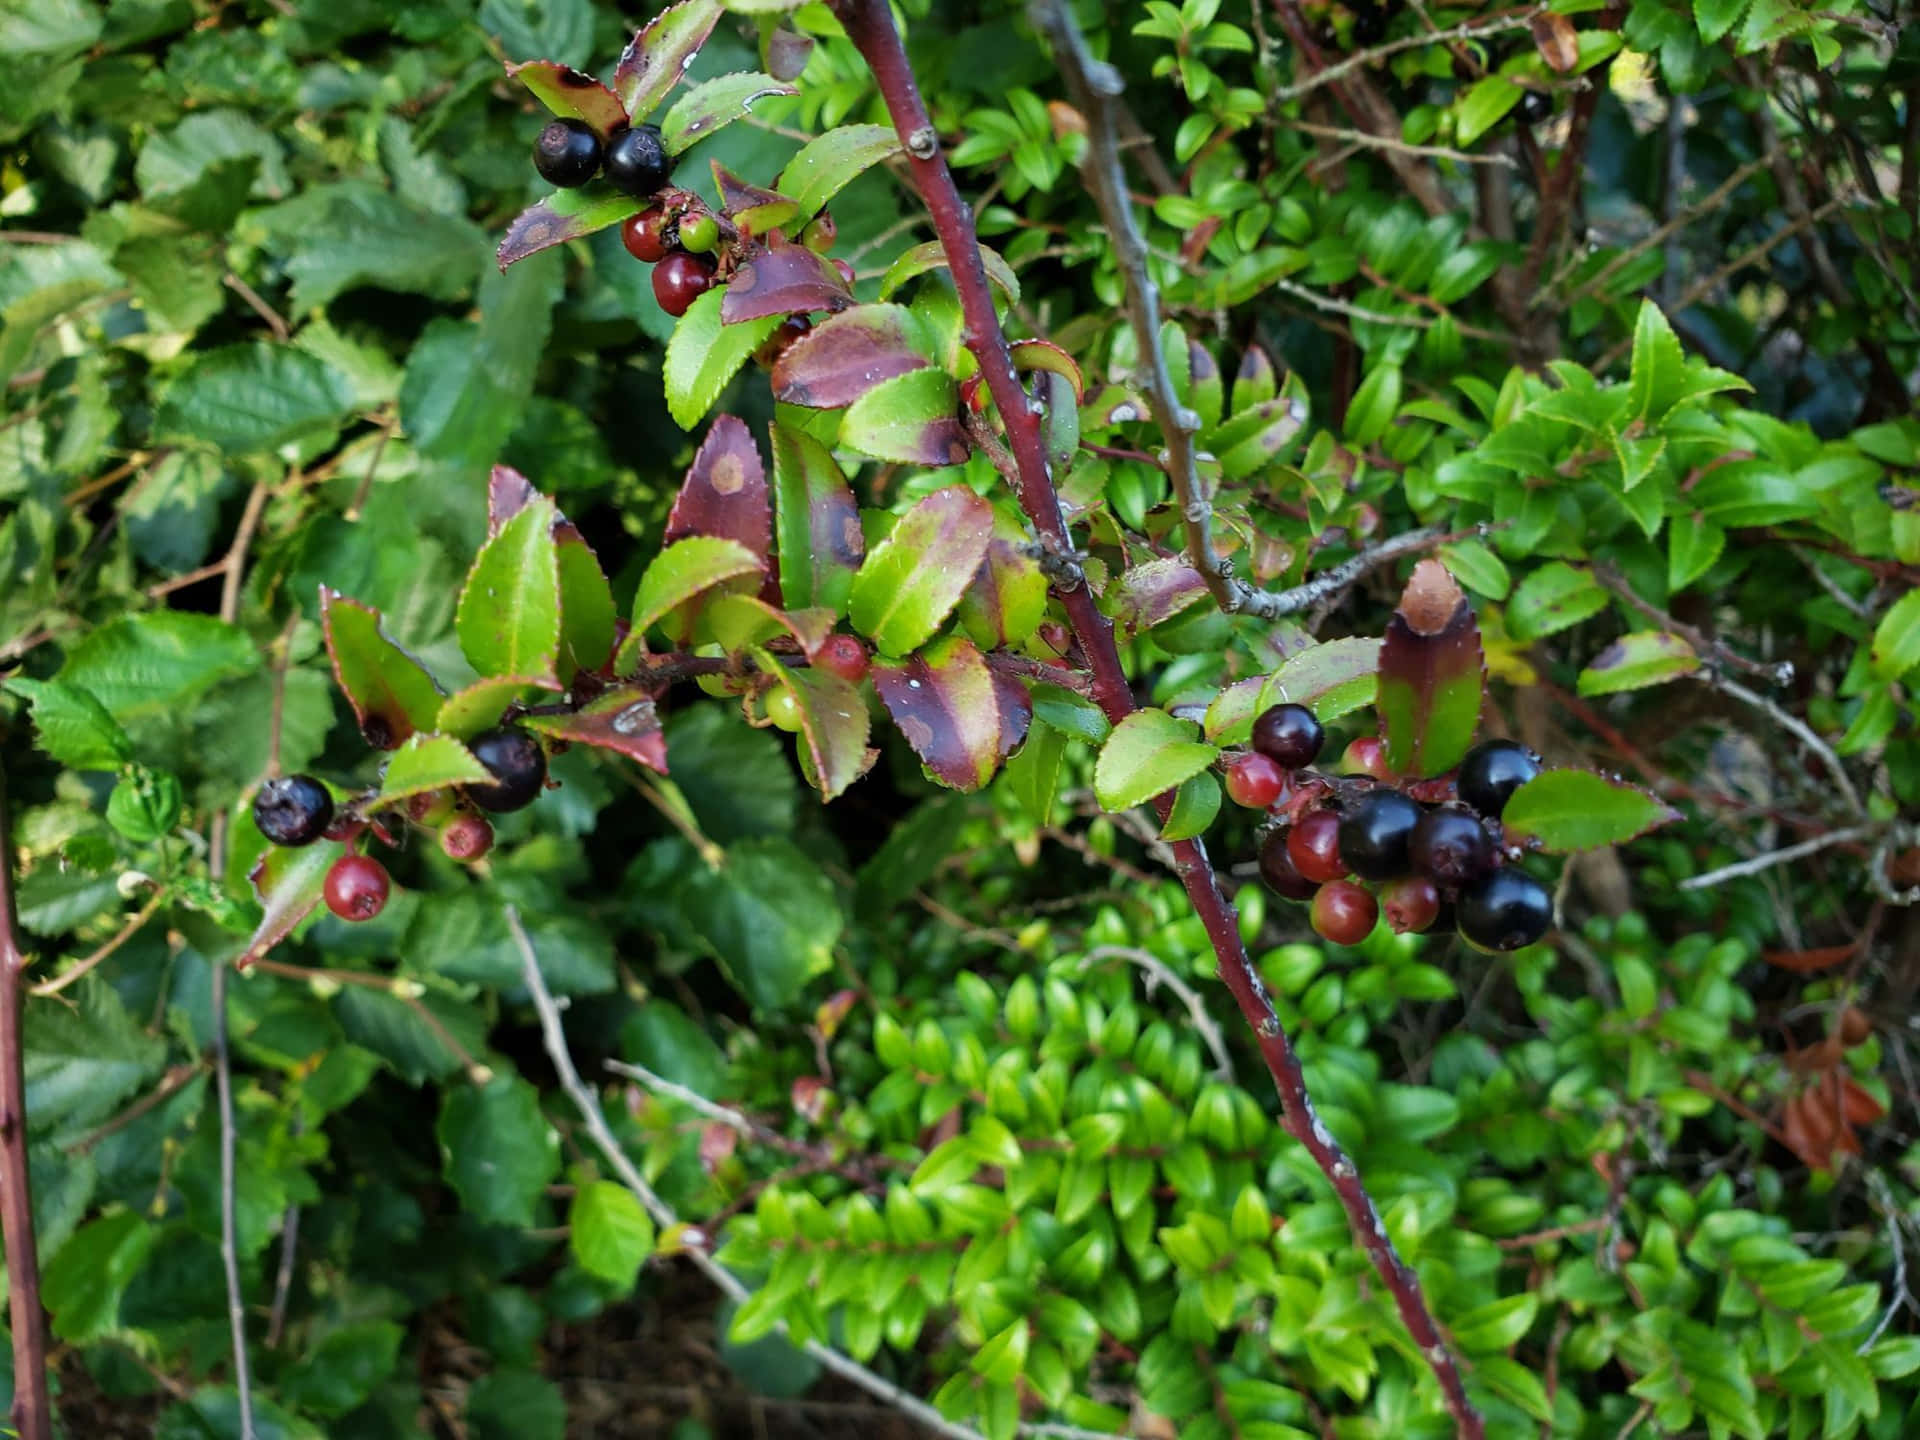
[345, 828]
[645, 235]
[681, 279]
[1452, 847]
[467, 837]
[293, 809]
[1283, 877]
[637, 162]
[1344, 912]
[1492, 771]
[845, 656]
[1411, 903]
[567, 153]
[1366, 756]
[518, 765]
[1255, 781]
[1374, 834]
[1288, 735]
[356, 887]
[1314, 844]
[1506, 910]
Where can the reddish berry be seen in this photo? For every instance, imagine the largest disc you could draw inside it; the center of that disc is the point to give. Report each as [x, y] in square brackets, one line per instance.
[1344, 912]
[1412, 903]
[1283, 877]
[699, 232]
[518, 766]
[1375, 832]
[357, 887]
[345, 828]
[1492, 771]
[681, 279]
[1255, 781]
[1452, 846]
[467, 837]
[1366, 756]
[1314, 844]
[1288, 735]
[645, 235]
[845, 656]
[293, 809]
[820, 234]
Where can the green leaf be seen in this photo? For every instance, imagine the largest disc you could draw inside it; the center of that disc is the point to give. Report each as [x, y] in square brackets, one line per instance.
[247, 398]
[1896, 639]
[1694, 544]
[715, 104]
[1477, 567]
[1483, 107]
[1659, 365]
[1633, 662]
[1514, 1383]
[929, 256]
[703, 355]
[145, 806]
[911, 581]
[1374, 405]
[288, 884]
[1033, 772]
[1716, 17]
[912, 419]
[1195, 805]
[1431, 677]
[1148, 754]
[768, 916]
[1561, 811]
[515, 1405]
[565, 215]
[431, 762]
[587, 611]
[609, 1231]
[71, 726]
[157, 662]
[825, 165]
[374, 238]
[1334, 678]
[391, 693]
[816, 522]
[1497, 1325]
[683, 570]
[570, 94]
[345, 1367]
[659, 54]
[497, 1150]
[84, 1282]
[508, 620]
[84, 1055]
[834, 724]
[1551, 599]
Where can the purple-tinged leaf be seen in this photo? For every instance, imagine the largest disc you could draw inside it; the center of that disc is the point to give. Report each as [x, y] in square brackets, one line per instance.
[929, 256]
[622, 720]
[508, 620]
[1111, 405]
[508, 493]
[753, 209]
[1148, 754]
[725, 492]
[1255, 382]
[739, 622]
[288, 883]
[564, 215]
[945, 701]
[1153, 593]
[785, 52]
[834, 725]
[911, 420]
[1334, 679]
[824, 165]
[683, 570]
[1206, 391]
[586, 599]
[391, 693]
[1008, 597]
[1561, 811]
[818, 523]
[427, 763]
[846, 355]
[715, 104]
[1229, 718]
[1045, 355]
[659, 54]
[1431, 675]
[466, 713]
[783, 279]
[1633, 662]
[912, 580]
[572, 94]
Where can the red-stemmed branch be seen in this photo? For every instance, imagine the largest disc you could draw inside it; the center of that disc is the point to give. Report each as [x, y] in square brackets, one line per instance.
[869, 24]
[32, 1412]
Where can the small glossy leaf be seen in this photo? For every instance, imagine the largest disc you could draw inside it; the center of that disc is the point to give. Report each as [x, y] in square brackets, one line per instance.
[609, 1231]
[1007, 599]
[820, 543]
[1229, 717]
[912, 580]
[391, 693]
[782, 279]
[1033, 772]
[826, 164]
[911, 420]
[1030, 355]
[1552, 598]
[683, 570]
[1334, 678]
[846, 355]
[1633, 662]
[572, 94]
[929, 256]
[1483, 107]
[623, 720]
[659, 54]
[479, 706]
[739, 622]
[1374, 405]
[587, 611]
[1070, 714]
[1148, 754]
[565, 215]
[1153, 593]
[1694, 544]
[508, 620]
[1195, 806]
[1659, 366]
[960, 718]
[1431, 675]
[754, 209]
[1561, 811]
[430, 762]
[1896, 639]
[704, 354]
[715, 104]
[1256, 436]
[288, 884]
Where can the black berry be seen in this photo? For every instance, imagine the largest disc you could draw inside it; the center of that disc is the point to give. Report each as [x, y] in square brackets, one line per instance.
[1492, 771]
[1505, 911]
[1369, 25]
[1451, 847]
[293, 809]
[518, 765]
[567, 153]
[1374, 834]
[1534, 106]
[1288, 735]
[637, 161]
[1283, 877]
[356, 887]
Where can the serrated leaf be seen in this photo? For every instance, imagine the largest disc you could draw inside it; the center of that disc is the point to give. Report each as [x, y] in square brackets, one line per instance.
[911, 581]
[1659, 366]
[85, 1281]
[1148, 754]
[1551, 599]
[929, 256]
[508, 620]
[1896, 639]
[846, 355]
[479, 706]
[624, 720]
[391, 693]
[714, 104]
[248, 398]
[71, 726]
[288, 884]
[911, 420]
[157, 662]
[1431, 675]
[609, 1231]
[497, 1150]
[824, 166]
[564, 215]
[1716, 17]
[586, 605]
[431, 762]
[1633, 662]
[1007, 598]
[659, 54]
[781, 278]
[820, 544]
[1561, 811]
[960, 717]
[834, 724]
[84, 1055]
[1154, 592]
[572, 94]
[704, 355]
[683, 570]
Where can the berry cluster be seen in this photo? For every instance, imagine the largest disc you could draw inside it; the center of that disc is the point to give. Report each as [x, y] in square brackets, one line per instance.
[1357, 847]
[295, 810]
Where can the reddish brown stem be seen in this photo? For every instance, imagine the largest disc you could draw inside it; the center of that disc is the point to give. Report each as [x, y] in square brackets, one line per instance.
[869, 24]
[32, 1412]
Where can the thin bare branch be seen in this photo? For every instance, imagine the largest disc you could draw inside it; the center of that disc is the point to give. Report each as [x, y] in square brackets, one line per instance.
[125, 933]
[1796, 727]
[1360, 59]
[1366, 139]
[1757, 863]
[1158, 974]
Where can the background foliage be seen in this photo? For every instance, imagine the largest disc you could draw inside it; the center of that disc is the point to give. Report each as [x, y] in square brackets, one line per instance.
[253, 342]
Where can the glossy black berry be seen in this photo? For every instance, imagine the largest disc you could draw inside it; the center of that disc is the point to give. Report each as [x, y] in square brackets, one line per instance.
[518, 766]
[637, 161]
[567, 153]
[293, 809]
[1369, 25]
[1492, 771]
[1506, 910]
[1288, 735]
[1451, 848]
[1283, 877]
[1374, 834]
[1534, 106]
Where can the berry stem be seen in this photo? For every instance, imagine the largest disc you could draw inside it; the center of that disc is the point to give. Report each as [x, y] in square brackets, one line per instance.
[869, 24]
